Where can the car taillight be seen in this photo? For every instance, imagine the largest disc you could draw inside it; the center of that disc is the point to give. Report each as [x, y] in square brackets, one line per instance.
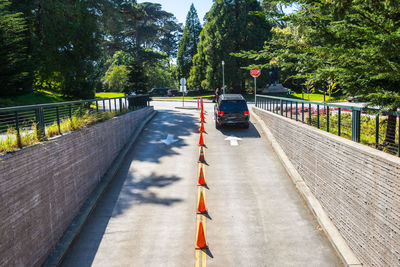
[220, 113]
[246, 113]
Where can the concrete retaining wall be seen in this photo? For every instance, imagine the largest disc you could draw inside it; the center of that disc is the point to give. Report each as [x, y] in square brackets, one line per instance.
[42, 187]
[358, 186]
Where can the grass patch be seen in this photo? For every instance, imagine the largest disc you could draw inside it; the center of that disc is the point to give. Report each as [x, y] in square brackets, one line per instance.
[316, 97]
[34, 98]
[28, 136]
[11, 142]
[109, 95]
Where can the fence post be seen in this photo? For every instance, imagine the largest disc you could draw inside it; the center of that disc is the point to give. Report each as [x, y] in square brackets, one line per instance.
[339, 121]
[398, 148]
[327, 119]
[58, 120]
[19, 143]
[70, 112]
[120, 105]
[377, 131]
[318, 116]
[281, 108]
[286, 102]
[39, 123]
[309, 114]
[355, 129]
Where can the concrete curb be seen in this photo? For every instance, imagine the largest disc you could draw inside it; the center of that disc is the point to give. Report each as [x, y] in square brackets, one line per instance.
[59, 252]
[345, 253]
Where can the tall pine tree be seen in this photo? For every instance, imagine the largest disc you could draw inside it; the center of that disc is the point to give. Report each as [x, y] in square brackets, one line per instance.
[230, 27]
[187, 46]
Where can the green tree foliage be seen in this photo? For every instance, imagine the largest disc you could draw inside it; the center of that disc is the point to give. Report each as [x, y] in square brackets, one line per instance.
[69, 46]
[13, 52]
[187, 46]
[353, 44]
[155, 28]
[229, 28]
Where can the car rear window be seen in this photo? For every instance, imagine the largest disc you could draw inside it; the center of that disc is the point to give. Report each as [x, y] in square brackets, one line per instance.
[233, 106]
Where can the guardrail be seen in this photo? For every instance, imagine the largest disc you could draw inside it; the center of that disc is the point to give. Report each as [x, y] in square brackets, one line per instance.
[38, 117]
[363, 125]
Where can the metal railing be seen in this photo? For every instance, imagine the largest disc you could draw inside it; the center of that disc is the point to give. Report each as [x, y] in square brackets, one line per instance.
[38, 117]
[363, 125]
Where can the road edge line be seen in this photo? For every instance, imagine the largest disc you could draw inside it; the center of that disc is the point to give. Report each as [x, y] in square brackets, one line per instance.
[63, 245]
[340, 245]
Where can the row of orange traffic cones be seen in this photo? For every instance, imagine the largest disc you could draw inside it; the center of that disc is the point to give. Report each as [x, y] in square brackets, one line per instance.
[201, 242]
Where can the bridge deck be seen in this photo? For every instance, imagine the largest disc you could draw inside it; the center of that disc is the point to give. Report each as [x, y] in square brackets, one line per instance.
[148, 215]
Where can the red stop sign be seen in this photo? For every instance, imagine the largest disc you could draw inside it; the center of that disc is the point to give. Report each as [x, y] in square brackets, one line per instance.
[255, 72]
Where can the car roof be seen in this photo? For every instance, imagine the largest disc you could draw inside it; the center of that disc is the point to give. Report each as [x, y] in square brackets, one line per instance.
[232, 97]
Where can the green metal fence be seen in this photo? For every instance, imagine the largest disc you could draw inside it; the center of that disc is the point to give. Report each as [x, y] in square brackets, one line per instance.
[363, 125]
[38, 117]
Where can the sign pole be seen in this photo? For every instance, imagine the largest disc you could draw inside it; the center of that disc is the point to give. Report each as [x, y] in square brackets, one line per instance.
[255, 72]
[183, 89]
[255, 91]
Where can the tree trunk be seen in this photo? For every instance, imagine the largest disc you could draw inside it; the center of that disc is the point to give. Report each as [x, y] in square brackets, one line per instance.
[390, 131]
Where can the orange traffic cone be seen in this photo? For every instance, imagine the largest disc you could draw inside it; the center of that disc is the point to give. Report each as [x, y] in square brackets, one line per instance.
[201, 242]
[202, 117]
[201, 141]
[201, 209]
[201, 157]
[201, 181]
[202, 130]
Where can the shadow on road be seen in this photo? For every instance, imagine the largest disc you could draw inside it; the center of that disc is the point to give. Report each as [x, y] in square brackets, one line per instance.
[127, 189]
[237, 131]
[166, 122]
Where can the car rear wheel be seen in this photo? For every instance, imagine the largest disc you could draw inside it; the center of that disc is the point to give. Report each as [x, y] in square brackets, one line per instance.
[217, 125]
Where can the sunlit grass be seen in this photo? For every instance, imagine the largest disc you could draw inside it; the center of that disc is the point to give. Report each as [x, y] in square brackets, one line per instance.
[33, 98]
[316, 97]
[9, 142]
[28, 136]
[109, 95]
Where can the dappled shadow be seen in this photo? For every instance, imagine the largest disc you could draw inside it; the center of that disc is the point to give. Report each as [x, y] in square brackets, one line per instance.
[238, 131]
[123, 193]
[137, 192]
[129, 189]
[164, 123]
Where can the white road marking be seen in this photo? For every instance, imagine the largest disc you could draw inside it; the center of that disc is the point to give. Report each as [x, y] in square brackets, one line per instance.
[233, 139]
[170, 140]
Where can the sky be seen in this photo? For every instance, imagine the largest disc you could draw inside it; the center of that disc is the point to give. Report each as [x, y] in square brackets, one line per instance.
[180, 8]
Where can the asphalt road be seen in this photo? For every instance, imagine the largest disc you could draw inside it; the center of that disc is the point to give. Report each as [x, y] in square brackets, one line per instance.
[148, 215]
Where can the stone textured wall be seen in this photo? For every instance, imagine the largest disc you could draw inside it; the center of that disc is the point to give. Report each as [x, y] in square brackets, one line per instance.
[358, 186]
[42, 187]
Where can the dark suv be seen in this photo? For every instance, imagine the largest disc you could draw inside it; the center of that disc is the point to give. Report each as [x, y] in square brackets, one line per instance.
[231, 109]
[158, 91]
